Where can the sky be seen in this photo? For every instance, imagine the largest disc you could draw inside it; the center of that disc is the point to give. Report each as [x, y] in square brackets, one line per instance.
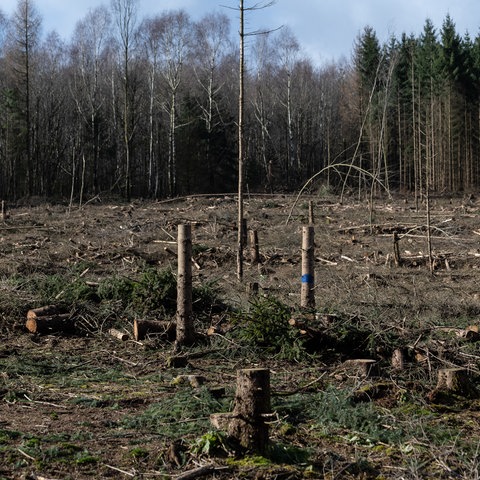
[325, 29]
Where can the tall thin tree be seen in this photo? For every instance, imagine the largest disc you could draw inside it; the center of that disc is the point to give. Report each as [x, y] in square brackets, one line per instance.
[125, 14]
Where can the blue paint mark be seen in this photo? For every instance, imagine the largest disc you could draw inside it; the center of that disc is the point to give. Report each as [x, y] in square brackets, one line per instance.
[307, 278]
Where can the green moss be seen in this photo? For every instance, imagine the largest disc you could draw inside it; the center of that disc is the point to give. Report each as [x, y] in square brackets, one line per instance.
[249, 461]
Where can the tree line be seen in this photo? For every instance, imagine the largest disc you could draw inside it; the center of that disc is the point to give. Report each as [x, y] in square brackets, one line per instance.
[148, 107]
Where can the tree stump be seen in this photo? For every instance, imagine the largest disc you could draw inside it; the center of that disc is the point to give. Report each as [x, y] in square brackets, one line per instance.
[362, 367]
[456, 381]
[246, 424]
[398, 359]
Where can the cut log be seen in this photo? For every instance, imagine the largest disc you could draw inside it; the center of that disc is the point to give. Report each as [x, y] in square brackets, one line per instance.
[51, 324]
[118, 334]
[46, 311]
[301, 324]
[162, 329]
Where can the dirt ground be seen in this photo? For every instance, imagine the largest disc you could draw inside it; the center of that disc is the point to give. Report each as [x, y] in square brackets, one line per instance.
[90, 406]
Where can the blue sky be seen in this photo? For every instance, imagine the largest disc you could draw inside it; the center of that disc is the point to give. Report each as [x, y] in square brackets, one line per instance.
[326, 29]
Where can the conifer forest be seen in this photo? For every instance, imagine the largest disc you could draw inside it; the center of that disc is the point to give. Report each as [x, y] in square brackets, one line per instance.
[148, 108]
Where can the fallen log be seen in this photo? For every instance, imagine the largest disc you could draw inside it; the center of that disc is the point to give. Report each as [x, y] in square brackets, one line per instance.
[162, 329]
[50, 324]
[118, 334]
[47, 310]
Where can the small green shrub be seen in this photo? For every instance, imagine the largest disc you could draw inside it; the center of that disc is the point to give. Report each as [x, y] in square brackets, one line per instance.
[155, 290]
[116, 289]
[212, 443]
[265, 325]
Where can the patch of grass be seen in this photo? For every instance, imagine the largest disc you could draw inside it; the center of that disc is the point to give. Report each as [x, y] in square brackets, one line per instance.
[335, 409]
[289, 454]
[6, 436]
[138, 453]
[182, 414]
[116, 289]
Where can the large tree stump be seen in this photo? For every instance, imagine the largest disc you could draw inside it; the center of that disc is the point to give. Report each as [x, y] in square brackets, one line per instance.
[456, 381]
[246, 424]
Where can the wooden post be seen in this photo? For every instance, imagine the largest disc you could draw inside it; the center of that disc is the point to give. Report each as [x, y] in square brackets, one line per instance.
[252, 289]
[185, 331]
[311, 218]
[252, 403]
[396, 250]
[244, 231]
[307, 299]
[254, 252]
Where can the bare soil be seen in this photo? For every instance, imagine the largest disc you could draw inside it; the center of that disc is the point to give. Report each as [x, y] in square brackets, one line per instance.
[83, 405]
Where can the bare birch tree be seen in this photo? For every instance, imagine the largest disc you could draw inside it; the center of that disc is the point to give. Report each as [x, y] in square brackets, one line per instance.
[125, 15]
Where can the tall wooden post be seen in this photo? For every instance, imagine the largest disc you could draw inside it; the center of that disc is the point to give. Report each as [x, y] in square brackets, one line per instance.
[254, 253]
[185, 330]
[307, 299]
[241, 93]
[311, 217]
